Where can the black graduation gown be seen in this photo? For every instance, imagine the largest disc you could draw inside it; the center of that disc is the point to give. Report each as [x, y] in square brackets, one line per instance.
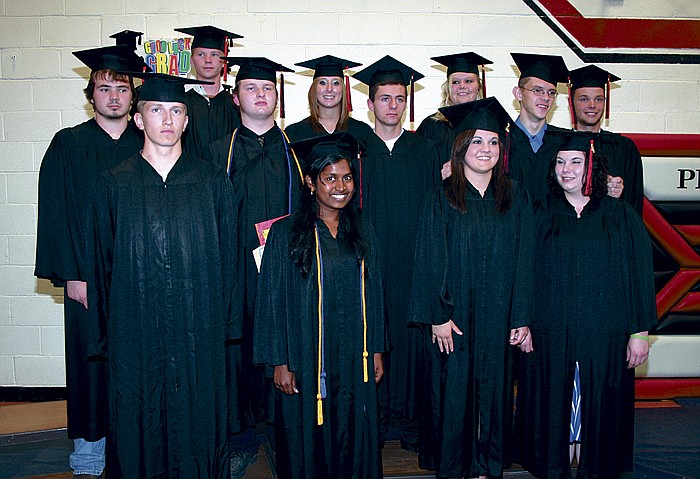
[209, 120]
[346, 445]
[476, 269]
[164, 307]
[303, 130]
[267, 183]
[440, 133]
[625, 161]
[595, 287]
[74, 159]
[528, 168]
[394, 187]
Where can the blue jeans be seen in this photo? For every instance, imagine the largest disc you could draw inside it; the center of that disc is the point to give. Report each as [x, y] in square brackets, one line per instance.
[87, 457]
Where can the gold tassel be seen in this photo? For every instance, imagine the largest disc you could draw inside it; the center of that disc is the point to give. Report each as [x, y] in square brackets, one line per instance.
[365, 354]
[364, 364]
[319, 405]
[319, 410]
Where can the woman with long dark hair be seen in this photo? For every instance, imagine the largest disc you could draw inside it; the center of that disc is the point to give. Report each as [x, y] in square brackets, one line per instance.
[321, 324]
[595, 303]
[472, 289]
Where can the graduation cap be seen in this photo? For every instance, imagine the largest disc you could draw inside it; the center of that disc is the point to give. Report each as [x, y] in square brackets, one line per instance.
[390, 70]
[590, 76]
[340, 143]
[467, 62]
[330, 66]
[208, 36]
[116, 57]
[550, 68]
[165, 88]
[256, 68]
[487, 114]
[581, 141]
[260, 68]
[127, 38]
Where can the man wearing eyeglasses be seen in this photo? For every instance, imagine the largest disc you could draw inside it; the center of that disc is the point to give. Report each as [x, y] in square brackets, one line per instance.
[534, 143]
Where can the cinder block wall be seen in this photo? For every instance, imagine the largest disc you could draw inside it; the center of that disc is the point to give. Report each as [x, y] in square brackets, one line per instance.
[41, 91]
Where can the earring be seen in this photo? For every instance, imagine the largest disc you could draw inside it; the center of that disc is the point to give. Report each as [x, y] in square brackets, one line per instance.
[312, 192]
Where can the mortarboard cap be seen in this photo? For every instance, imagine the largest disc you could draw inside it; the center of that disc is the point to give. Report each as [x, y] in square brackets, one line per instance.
[575, 141]
[115, 57]
[256, 68]
[341, 143]
[165, 88]
[127, 38]
[467, 62]
[487, 114]
[387, 70]
[550, 68]
[208, 36]
[328, 66]
[591, 76]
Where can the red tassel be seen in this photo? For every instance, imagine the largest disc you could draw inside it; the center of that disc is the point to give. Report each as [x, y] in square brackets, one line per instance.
[589, 171]
[282, 95]
[348, 98]
[225, 54]
[412, 112]
[607, 100]
[572, 112]
[483, 82]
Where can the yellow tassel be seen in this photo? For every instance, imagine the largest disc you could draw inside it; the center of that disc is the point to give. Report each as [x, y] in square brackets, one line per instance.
[319, 410]
[319, 406]
[230, 150]
[365, 354]
[364, 364]
[296, 160]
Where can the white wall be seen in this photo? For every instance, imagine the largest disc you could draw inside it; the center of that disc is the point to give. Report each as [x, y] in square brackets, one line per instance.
[41, 91]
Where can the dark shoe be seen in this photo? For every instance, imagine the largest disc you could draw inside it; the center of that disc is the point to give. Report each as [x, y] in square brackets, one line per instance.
[240, 461]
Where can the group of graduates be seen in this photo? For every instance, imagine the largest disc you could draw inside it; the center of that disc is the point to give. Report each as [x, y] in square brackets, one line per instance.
[407, 280]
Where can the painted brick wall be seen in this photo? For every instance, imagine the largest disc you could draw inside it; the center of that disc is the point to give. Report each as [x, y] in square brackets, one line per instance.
[41, 91]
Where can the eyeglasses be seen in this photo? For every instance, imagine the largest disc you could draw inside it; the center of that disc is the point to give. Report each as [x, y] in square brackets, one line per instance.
[538, 91]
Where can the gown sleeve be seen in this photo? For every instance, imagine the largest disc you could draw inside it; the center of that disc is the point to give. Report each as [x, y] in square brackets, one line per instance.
[522, 309]
[271, 308]
[640, 273]
[100, 251]
[55, 257]
[233, 284]
[430, 300]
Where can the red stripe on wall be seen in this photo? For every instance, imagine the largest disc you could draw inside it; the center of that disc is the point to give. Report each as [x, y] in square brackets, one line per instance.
[624, 32]
[666, 144]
